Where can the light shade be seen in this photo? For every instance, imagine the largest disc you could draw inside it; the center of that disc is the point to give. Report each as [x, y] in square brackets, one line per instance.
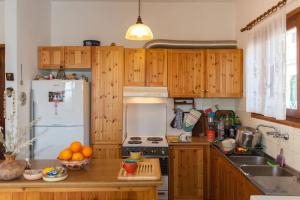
[139, 31]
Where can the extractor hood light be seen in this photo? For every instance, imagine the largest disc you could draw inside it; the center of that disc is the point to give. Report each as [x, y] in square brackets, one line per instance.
[139, 31]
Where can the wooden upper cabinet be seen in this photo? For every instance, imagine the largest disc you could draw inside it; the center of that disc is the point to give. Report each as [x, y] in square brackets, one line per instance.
[107, 95]
[156, 67]
[78, 57]
[186, 73]
[224, 73]
[135, 67]
[50, 57]
[187, 172]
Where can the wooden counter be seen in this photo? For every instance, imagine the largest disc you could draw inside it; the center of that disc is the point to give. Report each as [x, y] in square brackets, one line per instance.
[194, 141]
[98, 181]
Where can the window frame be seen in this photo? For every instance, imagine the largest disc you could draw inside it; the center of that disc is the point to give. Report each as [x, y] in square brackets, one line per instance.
[293, 20]
[292, 116]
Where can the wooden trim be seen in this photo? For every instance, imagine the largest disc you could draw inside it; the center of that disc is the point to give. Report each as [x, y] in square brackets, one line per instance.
[293, 13]
[293, 122]
[2, 45]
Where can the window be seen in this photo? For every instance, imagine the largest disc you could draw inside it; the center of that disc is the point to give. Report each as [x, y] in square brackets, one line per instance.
[293, 65]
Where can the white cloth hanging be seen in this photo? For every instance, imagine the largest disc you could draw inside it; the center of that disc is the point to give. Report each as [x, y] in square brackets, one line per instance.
[266, 67]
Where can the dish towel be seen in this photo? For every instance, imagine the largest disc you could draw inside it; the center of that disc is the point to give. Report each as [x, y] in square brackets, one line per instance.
[178, 121]
[191, 119]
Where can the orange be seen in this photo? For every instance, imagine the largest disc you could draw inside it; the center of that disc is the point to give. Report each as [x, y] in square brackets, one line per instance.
[87, 151]
[76, 147]
[77, 156]
[66, 154]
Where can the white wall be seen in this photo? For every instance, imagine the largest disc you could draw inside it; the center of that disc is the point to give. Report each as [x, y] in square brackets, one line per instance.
[247, 11]
[35, 31]
[75, 21]
[2, 22]
[27, 26]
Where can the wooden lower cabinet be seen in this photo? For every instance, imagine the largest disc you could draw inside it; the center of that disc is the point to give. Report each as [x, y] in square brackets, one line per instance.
[227, 182]
[188, 172]
[107, 151]
[99, 193]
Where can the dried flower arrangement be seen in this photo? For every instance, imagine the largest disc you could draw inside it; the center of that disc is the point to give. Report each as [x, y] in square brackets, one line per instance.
[16, 138]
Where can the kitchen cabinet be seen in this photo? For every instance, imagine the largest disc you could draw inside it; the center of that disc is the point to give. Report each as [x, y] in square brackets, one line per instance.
[78, 57]
[69, 57]
[187, 172]
[51, 57]
[227, 182]
[206, 73]
[224, 73]
[107, 95]
[107, 151]
[186, 73]
[146, 67]
[156, 67]
[135, 67]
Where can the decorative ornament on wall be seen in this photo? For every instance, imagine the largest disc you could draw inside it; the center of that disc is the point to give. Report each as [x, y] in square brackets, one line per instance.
[139, 31]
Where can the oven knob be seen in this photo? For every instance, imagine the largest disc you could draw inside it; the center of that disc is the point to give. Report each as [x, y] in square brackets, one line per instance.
[162, 152]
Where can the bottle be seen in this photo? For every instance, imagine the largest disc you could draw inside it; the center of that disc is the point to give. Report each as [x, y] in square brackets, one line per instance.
[221, 132]
[211, 121]
[227, 126]
[237, 122]
[280, 160]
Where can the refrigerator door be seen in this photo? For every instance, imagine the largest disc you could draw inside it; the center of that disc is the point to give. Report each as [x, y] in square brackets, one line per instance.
[58, 102]
[51, 140]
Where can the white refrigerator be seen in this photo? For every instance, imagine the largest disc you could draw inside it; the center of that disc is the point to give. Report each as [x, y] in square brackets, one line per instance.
[61, 110]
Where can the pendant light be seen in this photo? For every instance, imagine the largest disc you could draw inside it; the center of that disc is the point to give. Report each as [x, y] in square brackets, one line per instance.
[139, 31]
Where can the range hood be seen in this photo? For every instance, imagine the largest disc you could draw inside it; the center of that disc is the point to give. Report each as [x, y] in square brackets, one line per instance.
[145, 92]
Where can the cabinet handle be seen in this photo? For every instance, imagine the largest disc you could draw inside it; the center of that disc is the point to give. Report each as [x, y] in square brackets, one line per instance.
[202, 90]
[206, 90]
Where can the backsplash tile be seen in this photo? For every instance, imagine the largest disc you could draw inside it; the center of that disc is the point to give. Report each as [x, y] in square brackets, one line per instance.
[201, 104]
[291, 147]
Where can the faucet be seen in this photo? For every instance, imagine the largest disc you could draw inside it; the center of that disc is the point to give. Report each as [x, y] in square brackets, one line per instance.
[276, 133]
[266, 126]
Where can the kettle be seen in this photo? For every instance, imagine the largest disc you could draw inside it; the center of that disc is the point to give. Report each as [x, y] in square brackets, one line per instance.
[248, 137]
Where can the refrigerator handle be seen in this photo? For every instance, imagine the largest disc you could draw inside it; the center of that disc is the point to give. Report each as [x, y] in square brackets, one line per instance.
[32, 131]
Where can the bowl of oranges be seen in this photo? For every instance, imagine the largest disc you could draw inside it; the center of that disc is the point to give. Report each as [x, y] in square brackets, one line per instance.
[76, 156]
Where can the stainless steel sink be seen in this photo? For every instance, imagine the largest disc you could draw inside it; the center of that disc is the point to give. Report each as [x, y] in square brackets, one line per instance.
[265, 170]
[249, 160]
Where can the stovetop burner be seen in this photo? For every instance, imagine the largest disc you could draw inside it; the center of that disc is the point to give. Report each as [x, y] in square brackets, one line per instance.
[135, 138]
[154, 142]
[154, 139]
[134, 142]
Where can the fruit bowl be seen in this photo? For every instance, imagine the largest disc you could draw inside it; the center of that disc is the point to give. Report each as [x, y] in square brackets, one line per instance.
[74, 164]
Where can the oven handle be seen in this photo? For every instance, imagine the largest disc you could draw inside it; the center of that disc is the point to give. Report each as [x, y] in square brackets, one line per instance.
[145, 156]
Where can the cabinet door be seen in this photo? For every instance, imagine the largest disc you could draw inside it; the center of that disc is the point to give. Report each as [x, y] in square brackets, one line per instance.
[186, 73]
[156, 67]
[107, 94]
[78, 57]
[227, 182]
[135, 67]
[51, 57]
[107, 151]
[186, 172]
[224, 73]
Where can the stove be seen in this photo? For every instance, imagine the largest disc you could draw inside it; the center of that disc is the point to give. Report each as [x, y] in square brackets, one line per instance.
[145, 132]
[145, 141]
[152, 147]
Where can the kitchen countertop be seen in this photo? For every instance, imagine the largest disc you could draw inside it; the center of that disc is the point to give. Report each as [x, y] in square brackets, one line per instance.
[99, 173]
[271, 185]
[194, 141]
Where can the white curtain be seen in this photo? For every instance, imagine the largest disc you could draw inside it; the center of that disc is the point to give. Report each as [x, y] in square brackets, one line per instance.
[266, 68]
